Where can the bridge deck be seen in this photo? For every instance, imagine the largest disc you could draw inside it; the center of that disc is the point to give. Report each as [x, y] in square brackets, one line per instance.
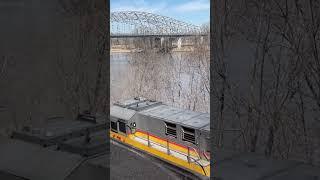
[154, 35]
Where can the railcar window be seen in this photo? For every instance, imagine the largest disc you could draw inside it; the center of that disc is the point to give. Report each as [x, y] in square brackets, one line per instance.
[171, 129]
[122, 127]
[114, 126]
[188, 134]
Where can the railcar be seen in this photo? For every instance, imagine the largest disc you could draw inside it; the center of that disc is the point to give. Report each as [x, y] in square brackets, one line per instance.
[177, 136]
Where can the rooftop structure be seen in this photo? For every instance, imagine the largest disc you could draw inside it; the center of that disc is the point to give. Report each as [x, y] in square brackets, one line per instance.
[156, 109]
[74, 150]
[61, 130]
[138, 103]
[179, 116]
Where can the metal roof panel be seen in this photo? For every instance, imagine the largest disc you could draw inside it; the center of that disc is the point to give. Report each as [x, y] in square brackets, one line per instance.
[183, 116]
[197, 121]
[121, 113]
[163, 112]
[35, 162]
[179, 116]
[206, 128]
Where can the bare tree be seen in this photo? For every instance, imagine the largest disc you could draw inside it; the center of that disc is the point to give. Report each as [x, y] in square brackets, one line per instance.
[85, 76]
[277, 107]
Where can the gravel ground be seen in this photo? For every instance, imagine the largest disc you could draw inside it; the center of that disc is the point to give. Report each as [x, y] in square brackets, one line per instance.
[126, 164]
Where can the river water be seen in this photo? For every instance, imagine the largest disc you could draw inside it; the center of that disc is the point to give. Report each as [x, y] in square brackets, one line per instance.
[172, 79]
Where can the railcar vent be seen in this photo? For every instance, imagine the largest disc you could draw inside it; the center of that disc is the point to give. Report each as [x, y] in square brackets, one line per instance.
[122, 127]
[171, 129]
[188, 135]
[114, 126]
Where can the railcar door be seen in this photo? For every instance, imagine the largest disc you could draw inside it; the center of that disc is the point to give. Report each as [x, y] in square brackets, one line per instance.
[122, 126]
[114, 126]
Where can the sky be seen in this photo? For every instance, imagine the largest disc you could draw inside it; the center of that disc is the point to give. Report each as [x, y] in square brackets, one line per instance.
[196, 12]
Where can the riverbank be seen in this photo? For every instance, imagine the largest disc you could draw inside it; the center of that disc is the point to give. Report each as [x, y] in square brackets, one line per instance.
[120, 50]
[115, 50]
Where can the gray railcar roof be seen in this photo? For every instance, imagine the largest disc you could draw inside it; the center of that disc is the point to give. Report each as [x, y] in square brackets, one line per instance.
[34, 162]
[199, 121]
[206, 128]
[127, 109]
[138, 104]
[163, 112]
[183, 117]
[122, 113]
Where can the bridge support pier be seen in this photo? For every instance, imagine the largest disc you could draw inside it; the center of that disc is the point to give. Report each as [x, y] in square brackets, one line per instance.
[162, 42]
[179, 43]
[166, 44]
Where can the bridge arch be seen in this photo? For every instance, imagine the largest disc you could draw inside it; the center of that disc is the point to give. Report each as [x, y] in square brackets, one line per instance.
[149, 23]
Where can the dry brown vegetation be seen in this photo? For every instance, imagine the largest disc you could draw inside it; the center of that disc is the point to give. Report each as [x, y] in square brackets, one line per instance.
[84, 74]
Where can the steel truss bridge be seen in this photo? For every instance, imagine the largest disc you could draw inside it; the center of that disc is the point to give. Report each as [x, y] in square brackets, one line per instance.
[143, 24]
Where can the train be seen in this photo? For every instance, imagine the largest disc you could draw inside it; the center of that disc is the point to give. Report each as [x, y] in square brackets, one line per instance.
[177, 136]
